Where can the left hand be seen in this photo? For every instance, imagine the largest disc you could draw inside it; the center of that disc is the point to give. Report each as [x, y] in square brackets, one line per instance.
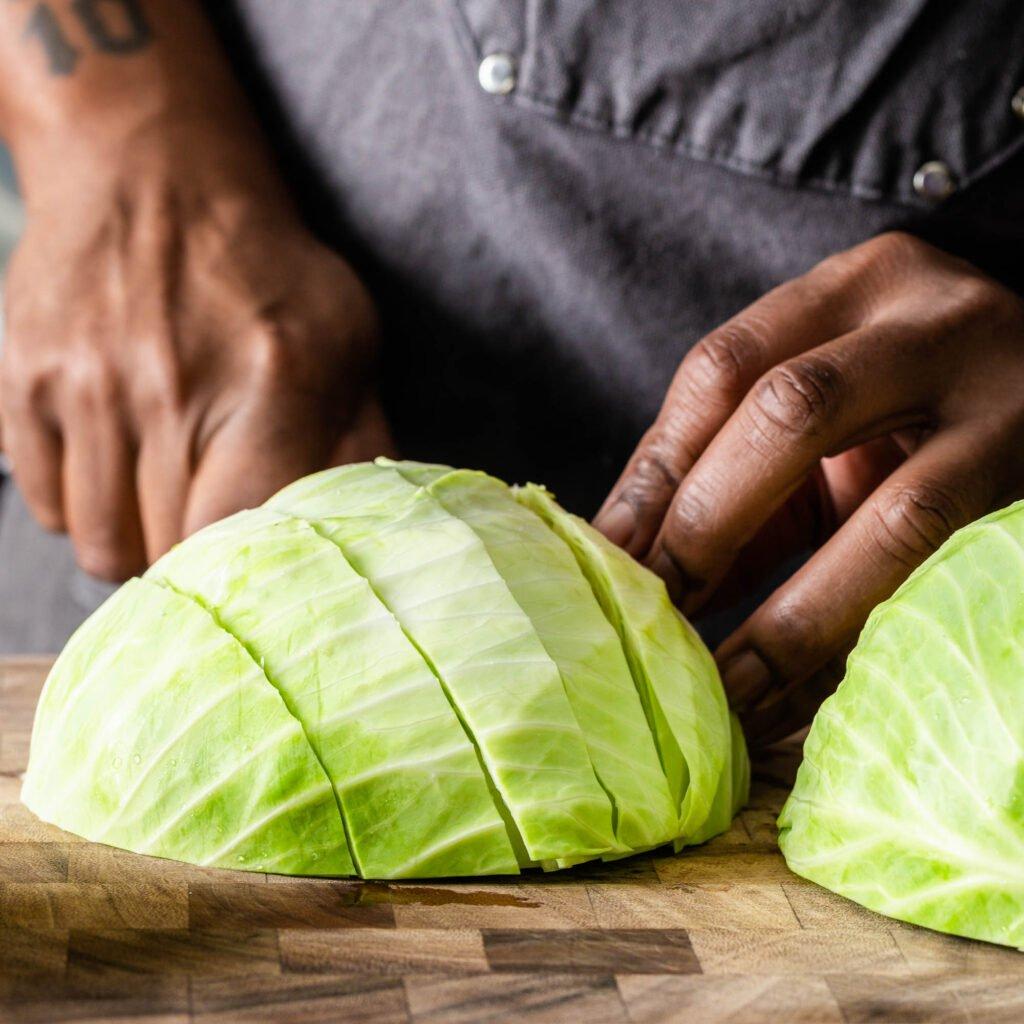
[872, 406]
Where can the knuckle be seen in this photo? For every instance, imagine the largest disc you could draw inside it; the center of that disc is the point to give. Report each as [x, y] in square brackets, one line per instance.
[838, 269]
[273, 358]
[885, 254]
[797, 399]
[19, 369]
[985, 304]
[971, 294]
[159, 387]
[880, 255]
[792, 635]
[895, 245]
[654, 471]
[690, 532]
[724, 361]
[24, 387]
[916, 520]
[91, 379]
[690, 514]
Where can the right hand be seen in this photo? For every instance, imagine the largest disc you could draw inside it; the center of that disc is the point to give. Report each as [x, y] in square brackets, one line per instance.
[178, 346]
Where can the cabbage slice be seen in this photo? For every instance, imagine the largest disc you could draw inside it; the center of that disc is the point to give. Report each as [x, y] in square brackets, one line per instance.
[411, 789]
[480, 644]
[740, 766]
[158, 733]
[732, 793]
[548, 585]
[910, 798]
[673, 670]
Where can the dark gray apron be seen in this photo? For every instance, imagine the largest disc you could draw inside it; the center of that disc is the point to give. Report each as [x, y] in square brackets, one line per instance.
[553, 200]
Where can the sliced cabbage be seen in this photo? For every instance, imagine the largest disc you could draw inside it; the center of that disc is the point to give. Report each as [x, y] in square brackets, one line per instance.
[413, 796]
[393, 670]
[158, 733]
[546, 582]
[732, 792]
[674, 671]
[910, 797]
[435, 575]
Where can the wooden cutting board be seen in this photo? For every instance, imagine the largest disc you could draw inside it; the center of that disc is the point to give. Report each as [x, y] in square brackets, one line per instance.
[721, 933]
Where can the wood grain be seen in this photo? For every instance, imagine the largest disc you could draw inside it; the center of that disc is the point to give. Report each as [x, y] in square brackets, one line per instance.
[723, 934]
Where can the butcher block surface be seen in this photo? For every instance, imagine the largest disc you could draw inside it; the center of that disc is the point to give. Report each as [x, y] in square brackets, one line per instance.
[723, 933]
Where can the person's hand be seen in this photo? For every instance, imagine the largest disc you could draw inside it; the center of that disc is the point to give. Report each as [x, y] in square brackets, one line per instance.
[177, 345]
[880, 397]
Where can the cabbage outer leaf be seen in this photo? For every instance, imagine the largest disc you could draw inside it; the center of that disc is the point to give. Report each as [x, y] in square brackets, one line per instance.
[910, 797]
[157, 732]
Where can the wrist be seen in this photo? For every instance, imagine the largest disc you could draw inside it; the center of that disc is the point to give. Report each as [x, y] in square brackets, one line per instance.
[105, 109]
[154, 146]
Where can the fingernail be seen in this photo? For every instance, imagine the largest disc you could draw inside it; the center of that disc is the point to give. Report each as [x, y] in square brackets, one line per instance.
[746, 678]
[684, 589]
[663, 566]
[617, 523]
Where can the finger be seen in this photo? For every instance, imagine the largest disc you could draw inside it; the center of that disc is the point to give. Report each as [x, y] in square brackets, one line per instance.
[825, 401]
[99, 488]
[803, 523]
[850, 477]
[34, 451]
[823, 501]
[163, 476]
[819, 612]
[368, 436]
[32, 443]
[795, 707]
[708, 387]
[264, 446]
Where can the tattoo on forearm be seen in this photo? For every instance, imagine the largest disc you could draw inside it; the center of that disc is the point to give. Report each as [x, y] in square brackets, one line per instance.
[114, 26]
[44, 27]
[117, 27]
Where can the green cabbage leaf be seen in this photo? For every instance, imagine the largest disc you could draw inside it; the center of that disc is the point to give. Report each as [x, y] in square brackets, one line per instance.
[910, 797]
[409, 784]
[156, 731]
[674, 672]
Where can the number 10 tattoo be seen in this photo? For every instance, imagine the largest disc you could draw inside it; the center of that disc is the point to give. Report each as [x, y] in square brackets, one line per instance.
[116, 27]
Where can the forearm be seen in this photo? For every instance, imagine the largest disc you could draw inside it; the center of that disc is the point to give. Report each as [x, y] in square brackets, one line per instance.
[85, 79]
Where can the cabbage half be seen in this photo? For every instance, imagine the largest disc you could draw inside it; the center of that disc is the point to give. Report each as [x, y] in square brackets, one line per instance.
[392, 670]
[910, 798]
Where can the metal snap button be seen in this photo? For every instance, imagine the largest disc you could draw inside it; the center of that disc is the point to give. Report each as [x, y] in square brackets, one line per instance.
[497, 73]
[1017, 103]
[934, 181]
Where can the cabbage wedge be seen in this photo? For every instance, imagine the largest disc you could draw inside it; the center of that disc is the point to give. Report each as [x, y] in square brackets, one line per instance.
[391, 670]
[413, 796]
[547, 583]
[479, 642]
[676, 676]
[910, 797]
[157, 732]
